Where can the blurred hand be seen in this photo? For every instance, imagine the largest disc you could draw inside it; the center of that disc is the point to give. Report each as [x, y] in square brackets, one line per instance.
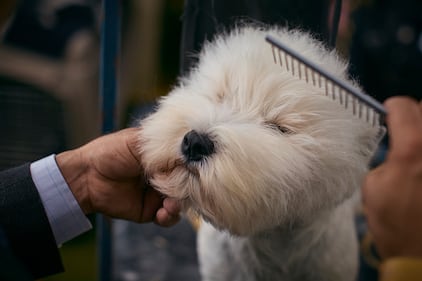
[392, 193]
[106, 176]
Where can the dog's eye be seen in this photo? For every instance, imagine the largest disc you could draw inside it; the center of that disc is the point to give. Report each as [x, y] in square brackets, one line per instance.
[281, 129]
[284, 130]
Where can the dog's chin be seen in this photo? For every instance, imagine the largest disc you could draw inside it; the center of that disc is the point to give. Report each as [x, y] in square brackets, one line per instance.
[173, 180]
[182, 183]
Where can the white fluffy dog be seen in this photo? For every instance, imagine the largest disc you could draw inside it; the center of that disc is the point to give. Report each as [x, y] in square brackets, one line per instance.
[267, 160]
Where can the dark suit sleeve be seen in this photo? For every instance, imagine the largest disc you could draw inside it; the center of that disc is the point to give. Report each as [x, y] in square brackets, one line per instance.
[25, 223]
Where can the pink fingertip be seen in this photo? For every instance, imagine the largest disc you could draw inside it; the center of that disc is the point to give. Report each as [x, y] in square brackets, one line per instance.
[172, 206]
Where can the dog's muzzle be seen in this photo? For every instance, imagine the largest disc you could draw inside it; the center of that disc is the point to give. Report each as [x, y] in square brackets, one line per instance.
[196, 146]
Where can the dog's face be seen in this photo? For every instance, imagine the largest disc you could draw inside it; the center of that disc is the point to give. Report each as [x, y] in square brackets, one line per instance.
[247, 145]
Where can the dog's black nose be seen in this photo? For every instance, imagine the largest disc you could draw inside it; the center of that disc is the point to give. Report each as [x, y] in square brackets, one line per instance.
[196, 146]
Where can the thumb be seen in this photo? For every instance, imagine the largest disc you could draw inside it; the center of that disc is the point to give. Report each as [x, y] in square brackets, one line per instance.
[152, 201]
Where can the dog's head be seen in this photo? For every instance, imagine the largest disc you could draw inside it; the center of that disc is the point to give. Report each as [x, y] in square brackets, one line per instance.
[247, 145]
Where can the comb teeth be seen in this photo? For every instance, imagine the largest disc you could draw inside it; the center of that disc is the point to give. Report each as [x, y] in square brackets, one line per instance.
[360, 104]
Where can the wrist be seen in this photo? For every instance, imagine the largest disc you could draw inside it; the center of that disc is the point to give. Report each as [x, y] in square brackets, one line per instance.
[74, 169]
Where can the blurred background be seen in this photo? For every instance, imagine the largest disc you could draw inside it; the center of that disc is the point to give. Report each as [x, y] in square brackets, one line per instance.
[49, 89]
[49, 102]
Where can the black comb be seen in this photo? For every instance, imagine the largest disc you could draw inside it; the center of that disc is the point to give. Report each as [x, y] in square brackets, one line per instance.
[363, 106]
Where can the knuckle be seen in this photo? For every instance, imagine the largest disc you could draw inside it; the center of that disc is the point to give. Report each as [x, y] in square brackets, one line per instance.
[411, 150]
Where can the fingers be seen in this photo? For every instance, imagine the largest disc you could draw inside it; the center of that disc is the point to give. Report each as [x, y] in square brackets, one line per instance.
[404, 121]
[133, 141]
[169, 214]
[163, 218]
[152, 203]
[163, 212]
[172, 206]
[376, 193]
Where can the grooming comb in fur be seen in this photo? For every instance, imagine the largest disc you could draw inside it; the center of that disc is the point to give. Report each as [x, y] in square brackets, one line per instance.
[361, 105]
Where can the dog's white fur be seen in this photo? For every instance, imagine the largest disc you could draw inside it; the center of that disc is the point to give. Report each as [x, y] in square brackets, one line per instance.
[277, 203]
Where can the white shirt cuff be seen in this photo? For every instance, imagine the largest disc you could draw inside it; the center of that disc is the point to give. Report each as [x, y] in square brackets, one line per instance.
[66, 218]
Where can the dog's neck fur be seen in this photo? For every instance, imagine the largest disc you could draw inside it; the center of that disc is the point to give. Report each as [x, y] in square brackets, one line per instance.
[288, 253]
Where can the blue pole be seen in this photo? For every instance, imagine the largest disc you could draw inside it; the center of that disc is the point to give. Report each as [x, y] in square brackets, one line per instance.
[109, 66]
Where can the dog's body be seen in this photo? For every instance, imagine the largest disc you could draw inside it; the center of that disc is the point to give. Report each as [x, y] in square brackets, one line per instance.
[267, 160]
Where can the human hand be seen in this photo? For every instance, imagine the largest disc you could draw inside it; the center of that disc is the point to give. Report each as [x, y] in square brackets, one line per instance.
[105, 176]
[392, 193]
